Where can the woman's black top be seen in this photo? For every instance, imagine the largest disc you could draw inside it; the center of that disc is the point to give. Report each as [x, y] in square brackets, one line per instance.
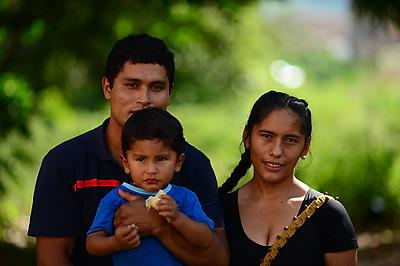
[328, 230]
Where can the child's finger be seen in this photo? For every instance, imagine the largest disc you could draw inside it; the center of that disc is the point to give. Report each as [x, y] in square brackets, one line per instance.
[126, 230]
[166, 197]
[165, 207]
[134, 241]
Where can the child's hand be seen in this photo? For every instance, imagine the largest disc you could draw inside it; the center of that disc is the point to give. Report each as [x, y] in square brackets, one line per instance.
[168, 208]
[127, 236]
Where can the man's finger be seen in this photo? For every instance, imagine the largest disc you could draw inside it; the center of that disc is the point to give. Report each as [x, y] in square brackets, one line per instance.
[127, 196]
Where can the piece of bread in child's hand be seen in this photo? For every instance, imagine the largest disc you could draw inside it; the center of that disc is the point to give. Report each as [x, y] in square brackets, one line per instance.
[151, 202]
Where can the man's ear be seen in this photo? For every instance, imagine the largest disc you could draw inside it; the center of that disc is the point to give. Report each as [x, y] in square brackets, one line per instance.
[106, 88]
[179, 162]
[124, 164]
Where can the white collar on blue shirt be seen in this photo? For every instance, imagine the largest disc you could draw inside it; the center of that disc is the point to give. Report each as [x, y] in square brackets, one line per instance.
[143, 191]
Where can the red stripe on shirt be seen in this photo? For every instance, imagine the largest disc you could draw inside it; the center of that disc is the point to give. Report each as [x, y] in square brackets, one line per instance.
[95, 183]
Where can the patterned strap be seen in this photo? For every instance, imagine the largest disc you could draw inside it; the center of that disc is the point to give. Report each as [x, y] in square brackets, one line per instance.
[297, 222]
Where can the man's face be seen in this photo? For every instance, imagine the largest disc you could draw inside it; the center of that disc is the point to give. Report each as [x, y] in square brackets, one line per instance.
[137, 86]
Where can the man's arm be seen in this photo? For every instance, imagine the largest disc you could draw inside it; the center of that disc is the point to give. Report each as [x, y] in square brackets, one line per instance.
[150, 223]
[53, 226]
[52, 251]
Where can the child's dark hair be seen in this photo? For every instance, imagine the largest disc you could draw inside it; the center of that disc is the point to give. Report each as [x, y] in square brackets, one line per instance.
[153, 123]
[267, 103]
[139, 49]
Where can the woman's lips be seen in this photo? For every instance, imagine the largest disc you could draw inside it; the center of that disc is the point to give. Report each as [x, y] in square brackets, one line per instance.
[273, 166]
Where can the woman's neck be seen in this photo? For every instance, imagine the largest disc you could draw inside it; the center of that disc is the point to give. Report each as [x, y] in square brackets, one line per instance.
[282, 191]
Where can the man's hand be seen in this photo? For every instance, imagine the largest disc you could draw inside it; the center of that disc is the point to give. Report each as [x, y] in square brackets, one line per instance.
[135, 212]
[120, 216]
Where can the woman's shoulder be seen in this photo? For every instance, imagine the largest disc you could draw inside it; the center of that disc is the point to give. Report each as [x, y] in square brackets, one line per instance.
[338, 230]
[332, 204]
[331, 201]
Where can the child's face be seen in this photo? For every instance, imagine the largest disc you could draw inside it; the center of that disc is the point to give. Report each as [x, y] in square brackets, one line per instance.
[151, 164]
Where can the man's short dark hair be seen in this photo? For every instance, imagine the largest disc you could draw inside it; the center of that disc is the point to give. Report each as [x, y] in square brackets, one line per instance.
[139, 49]
[153, 123]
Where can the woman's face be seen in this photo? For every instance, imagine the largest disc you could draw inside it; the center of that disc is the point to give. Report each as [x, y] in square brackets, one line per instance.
[276, 144]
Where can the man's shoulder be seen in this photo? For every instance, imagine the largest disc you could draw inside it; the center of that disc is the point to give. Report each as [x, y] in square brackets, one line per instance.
[193, 153]
[76, 145]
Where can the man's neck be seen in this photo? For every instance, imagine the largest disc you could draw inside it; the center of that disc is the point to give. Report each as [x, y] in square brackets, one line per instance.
[113, 139]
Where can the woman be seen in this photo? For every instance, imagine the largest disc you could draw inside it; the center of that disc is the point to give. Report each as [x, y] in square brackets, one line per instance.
[266, 214]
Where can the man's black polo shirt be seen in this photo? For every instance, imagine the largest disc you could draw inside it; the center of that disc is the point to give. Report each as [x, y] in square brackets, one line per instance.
[77, 174]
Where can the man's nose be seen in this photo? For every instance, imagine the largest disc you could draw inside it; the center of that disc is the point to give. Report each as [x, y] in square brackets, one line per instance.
[144, 97]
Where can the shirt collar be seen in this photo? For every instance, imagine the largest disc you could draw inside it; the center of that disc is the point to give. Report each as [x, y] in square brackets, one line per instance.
[143, 191]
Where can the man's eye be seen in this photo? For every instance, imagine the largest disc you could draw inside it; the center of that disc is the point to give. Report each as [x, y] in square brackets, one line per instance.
[132, 85]
[267, 136]
[291, 140]
[157, 87]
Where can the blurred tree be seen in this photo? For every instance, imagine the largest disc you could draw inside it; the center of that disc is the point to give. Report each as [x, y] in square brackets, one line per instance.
[382, 11]
[63, 45]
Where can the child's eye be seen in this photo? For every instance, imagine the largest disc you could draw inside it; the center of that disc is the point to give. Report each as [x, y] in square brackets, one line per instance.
[139, 159]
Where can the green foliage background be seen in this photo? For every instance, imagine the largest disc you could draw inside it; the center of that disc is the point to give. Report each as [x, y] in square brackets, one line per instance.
[51, 62]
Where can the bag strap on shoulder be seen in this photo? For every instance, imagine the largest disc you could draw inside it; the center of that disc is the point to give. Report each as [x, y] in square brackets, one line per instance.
[289, 231]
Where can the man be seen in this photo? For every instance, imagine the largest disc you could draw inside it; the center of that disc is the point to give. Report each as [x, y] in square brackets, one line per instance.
[75, 175]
